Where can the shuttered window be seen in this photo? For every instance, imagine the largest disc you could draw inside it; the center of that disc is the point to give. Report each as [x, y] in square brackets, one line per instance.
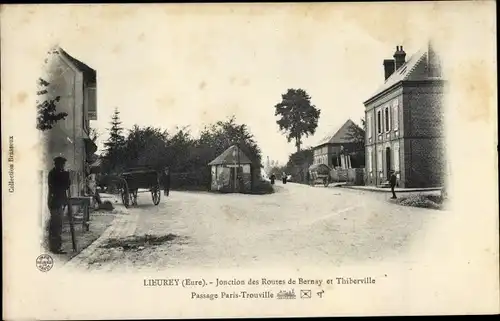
[395, 114]
[92, 103]
[379, 160]
[396, 157]
[370, 155]
[369, 125]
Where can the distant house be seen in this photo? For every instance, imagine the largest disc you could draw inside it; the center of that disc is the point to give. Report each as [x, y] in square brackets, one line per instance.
[335, 150]
[224, 171]
[404, 120]
[75, 83]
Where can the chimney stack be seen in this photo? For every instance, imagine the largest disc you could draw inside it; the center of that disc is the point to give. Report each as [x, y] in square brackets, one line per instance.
[399, 57]
[388, 67]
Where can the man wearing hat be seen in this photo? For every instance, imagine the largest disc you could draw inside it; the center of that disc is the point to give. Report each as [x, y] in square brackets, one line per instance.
[59, 184]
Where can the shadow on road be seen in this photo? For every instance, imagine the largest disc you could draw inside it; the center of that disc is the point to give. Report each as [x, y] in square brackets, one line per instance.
[140, 242]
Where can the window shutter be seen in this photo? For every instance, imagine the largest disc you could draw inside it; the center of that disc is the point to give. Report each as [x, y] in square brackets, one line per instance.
[395, 115]
[379, 160]
[396, 157]
[369, 125]
[370, 159]
[92, 104]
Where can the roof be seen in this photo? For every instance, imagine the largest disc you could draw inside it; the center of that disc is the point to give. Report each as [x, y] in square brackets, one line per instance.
[227, 157]
[90, 74]
[340, 136]
[413, 69]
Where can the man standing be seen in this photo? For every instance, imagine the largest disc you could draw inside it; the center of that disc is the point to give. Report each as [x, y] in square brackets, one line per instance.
[166, 181]
[392, 181]
[59, 183]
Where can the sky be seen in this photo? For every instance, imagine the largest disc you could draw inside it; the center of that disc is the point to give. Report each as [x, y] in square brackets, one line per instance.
[192, 65]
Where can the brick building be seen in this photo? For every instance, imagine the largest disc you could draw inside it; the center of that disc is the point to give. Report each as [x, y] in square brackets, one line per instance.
[404, 120]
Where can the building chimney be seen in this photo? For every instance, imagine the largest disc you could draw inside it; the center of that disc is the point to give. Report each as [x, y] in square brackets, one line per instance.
[399, 56]
[388, 67]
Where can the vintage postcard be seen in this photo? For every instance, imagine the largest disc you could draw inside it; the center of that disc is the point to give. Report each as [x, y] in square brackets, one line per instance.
[249, 160]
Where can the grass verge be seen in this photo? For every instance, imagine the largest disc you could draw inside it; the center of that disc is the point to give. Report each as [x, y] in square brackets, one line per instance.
[435, 202]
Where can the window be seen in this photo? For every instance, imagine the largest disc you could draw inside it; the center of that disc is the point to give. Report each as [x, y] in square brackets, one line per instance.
[379, 122]
[369, 125]
[387, 119]
[396, 157]
[395, 115]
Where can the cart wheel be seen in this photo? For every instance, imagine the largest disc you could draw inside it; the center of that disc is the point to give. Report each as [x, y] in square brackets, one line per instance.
[326, 182]
[125, 197]
[156, 195]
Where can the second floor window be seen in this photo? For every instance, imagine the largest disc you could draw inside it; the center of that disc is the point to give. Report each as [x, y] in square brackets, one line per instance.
[387, 118]
[379, 122]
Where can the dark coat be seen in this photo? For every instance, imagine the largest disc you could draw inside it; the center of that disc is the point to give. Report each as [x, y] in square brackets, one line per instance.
[59, 183]
[393, 179]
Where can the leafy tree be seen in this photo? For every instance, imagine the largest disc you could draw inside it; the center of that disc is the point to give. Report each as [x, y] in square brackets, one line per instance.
[146, 147]
[298, 164]
[223, 134]
[358, 134]
[115, 143]
[298, 117]
[47, 114]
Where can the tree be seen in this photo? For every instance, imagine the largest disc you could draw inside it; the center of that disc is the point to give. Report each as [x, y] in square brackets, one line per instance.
[115, 143]
[298, 116]
[47, 114]
[298, 164]
[357, 135]
[223, 134]
[146, 146]
[94, 134]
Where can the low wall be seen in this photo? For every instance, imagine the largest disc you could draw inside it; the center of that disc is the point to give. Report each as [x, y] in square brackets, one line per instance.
[351, 176]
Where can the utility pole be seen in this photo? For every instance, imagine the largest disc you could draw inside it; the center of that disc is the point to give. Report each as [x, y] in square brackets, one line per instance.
[239, 168]
[235, 173]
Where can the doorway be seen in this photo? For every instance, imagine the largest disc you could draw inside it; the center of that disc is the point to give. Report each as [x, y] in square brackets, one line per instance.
[388, 164]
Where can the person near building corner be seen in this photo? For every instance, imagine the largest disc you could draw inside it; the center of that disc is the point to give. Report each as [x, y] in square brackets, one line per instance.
[166, 181]
[393, 180]
[59, 183]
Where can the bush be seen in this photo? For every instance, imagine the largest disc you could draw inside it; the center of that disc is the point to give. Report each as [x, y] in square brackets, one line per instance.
[199, 180]
[261, 187]
[423, 201]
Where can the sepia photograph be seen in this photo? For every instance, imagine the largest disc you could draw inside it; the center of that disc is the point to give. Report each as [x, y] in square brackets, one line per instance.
[250, 153]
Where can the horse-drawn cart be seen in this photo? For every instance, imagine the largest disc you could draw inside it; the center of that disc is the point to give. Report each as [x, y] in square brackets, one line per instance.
[140, 180]
[319, 173]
